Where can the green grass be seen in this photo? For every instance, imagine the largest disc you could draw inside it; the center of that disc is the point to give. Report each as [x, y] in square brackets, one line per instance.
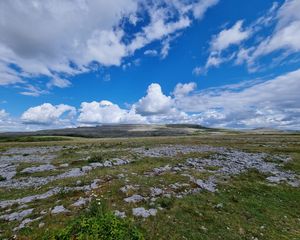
[98, 223]
[245, 207]
[251, 209]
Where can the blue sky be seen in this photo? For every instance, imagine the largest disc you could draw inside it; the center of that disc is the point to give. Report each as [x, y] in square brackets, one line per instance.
[219, 63]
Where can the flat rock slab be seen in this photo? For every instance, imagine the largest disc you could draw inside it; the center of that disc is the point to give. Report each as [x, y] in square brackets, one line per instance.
[59, 209]
[41, 168]
[7, 171]
[142, 212]
[134, 199]
[17, 216]
[39, 181]
[173, 150]
[81, 202]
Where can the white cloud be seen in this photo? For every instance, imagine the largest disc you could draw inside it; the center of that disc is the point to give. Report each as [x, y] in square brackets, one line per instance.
[165, 48]
[33, 91]
[201, 7]
[106, 47]
[272, 103]
[61, 32]
[58, 82]
[222, 41]
[231, 36]
[184, 89]
[8, 75]
[3, 114]
[158, 28]
[284, 24]
[283, 41]
[155, 102]
[166, 19]
[48, 114]
[151, 52]
[106, 112]
[66, 37]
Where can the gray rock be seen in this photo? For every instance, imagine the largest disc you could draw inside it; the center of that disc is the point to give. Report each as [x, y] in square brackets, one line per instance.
[142, 212]
[29, 154]
[26, 222]
[7, 171]
[119, 214]
[96, 165]
[118, 161]
[160, 170]
[156, 191]
[173, 150]
[7, 203]
[80, 202]
[94, 184]
[86, 168]
[16, 216]
[207, 185]
[41, 168]
[127, 188]
[75, 172]
[107, 164]
[59, 209]
[134, 199]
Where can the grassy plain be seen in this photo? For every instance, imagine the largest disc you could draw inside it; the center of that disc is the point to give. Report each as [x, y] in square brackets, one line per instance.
[244, 207]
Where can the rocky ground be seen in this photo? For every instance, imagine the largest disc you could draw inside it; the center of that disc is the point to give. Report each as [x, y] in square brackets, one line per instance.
[44, 185]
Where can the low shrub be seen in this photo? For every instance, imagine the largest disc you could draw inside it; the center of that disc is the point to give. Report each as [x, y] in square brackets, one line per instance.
[165, 202]
[98, 224]
[97, 157]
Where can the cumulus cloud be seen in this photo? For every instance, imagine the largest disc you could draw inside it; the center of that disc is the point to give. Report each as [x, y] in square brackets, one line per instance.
[3, 114]
[66, 37]
[47, 114]
[271, 103]
[106, 112]
[155, 102]
[61, 33]
[184, 89]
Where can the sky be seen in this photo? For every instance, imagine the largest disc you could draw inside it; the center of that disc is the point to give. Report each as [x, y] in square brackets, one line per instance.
[217, 63]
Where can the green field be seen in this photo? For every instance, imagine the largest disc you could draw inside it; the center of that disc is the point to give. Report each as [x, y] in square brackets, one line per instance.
[245, 205]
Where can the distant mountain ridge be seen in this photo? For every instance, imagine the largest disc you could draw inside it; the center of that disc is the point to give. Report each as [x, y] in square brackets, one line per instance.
[118, 130]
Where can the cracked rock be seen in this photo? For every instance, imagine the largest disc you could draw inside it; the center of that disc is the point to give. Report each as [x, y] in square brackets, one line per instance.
[142, 212]
[134, 199]
[41, 168]
[17, 216]
[59, 209]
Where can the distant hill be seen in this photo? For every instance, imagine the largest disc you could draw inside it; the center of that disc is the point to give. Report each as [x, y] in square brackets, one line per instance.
[120, 130]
